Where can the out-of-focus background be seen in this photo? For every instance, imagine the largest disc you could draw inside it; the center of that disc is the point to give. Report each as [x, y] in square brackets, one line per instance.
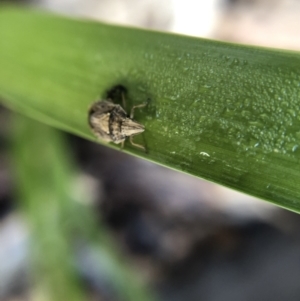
[187, 239]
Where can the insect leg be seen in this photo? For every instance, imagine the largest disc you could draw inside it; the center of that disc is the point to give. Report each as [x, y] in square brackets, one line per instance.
[138, 106]
[137, 145]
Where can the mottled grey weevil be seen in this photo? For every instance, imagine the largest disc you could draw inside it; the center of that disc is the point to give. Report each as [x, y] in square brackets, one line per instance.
[111, 123]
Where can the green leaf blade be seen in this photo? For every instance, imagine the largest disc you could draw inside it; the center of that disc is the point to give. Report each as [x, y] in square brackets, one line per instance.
[223, 112]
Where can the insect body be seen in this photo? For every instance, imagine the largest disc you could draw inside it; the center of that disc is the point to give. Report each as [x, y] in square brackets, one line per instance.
[110, 122]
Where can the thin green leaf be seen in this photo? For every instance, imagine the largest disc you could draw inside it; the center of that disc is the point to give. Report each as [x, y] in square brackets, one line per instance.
[223, 112]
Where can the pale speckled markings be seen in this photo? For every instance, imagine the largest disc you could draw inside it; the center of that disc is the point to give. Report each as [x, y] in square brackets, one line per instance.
[111, 123]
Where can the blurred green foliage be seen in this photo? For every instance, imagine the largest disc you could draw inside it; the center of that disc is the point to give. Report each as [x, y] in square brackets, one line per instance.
[61, 225]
